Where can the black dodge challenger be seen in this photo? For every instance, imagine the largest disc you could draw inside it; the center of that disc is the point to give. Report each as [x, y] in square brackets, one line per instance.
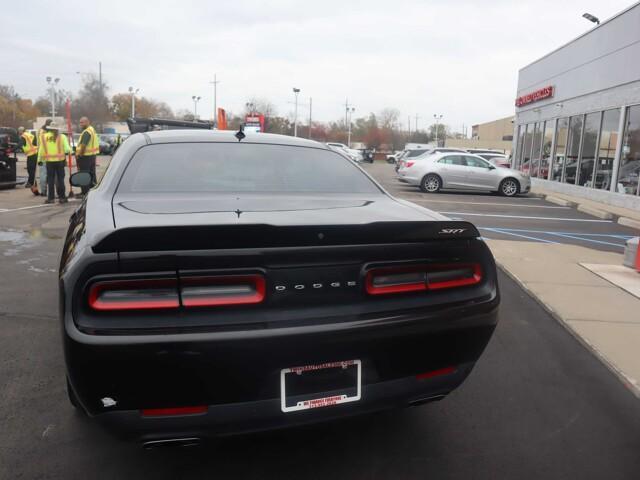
[214, 284]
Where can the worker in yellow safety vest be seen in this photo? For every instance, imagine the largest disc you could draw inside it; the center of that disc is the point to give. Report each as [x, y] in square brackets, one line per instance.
[42, 168]
[52, 151]
[28, 142]
[86, 151]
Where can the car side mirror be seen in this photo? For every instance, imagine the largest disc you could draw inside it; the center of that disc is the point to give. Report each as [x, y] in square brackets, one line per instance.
[491, 167]
[80, 179]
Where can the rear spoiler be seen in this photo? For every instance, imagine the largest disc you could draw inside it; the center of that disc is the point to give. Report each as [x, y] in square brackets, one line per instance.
[141, 125]
[209, 237]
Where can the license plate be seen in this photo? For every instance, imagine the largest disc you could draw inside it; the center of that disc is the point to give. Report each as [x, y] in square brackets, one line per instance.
[323, 385]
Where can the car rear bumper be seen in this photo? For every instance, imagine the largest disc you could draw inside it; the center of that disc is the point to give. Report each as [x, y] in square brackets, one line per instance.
[262, 415]
[403, 177]
[238, 377]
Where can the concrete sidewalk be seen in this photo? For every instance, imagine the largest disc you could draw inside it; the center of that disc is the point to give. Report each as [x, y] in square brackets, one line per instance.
[601, 315]
[624, 216]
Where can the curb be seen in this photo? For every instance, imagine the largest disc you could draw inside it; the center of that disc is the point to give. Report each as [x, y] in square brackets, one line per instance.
[629, 222]
[596, 212]
[630, 385]
[560, 201]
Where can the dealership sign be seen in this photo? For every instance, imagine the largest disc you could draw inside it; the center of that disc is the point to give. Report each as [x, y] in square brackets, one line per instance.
[546, 92]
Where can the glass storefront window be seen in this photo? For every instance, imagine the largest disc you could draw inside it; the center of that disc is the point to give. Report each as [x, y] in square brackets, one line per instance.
[606, 149]
[547, 140]
[525, 159]
[560, 150]
[535, 151]
[573, 149]
[516, 158]
[629, 173]
[588, 152]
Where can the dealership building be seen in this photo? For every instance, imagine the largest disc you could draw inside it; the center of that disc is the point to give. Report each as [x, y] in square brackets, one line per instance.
[577, 123]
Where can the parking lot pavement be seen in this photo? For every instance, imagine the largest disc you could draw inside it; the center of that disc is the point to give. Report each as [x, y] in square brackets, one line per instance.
[524, 218]
[537, 405]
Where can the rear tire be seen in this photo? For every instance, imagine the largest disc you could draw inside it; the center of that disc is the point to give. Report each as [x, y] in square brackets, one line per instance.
[431, 183]
[509, 187]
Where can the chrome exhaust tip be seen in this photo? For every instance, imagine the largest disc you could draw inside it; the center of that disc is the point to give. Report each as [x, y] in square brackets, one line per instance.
[171, 442]
[421, 401]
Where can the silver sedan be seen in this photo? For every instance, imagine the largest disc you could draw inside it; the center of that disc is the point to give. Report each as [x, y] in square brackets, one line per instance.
[460, 171]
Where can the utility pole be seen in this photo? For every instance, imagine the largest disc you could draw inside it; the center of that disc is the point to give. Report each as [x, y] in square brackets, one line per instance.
[310, 109]
[100, 77]
[296, 91]
[408, 127]
[349, 112]
[215, 83]
[415, 127]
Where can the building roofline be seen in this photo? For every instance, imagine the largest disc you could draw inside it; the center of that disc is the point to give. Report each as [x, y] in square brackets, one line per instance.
[588, 32]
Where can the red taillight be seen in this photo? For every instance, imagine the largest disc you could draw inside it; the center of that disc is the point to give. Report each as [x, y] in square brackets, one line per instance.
[414, 278]
[218, 291]
[173, 411]
[435, 373]
[410, 164]
[134, 294]
[166, 293]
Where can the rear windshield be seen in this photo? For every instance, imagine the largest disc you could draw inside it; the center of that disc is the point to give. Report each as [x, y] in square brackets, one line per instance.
[241, 167]
[415, 153]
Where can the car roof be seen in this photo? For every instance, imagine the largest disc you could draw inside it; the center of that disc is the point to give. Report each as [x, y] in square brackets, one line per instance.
[226, 136]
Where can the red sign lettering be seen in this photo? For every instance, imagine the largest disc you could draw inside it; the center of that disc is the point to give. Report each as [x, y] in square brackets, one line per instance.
[536, 96]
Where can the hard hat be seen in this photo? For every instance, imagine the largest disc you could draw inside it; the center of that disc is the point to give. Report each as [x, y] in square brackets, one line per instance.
[54, 126]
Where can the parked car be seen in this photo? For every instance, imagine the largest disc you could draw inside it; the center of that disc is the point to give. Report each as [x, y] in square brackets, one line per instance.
[393, 157]
[463, 172]
[355, 155]
[425, 153]
[9, 145]
[481, 151]
[212, 285]
[501, 161]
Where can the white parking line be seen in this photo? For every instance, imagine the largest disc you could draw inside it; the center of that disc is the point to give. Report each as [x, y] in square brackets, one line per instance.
[8, 210]
[499, 204]
[525, 217]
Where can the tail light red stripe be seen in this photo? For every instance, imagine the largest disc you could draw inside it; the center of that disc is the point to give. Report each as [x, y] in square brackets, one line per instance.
[415, 278]
[173, 411]
[144, 294]
[166, 293]
[218, 291]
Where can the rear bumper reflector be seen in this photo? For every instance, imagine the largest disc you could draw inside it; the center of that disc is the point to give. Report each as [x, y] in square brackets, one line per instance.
[173, 411]
[436, 373]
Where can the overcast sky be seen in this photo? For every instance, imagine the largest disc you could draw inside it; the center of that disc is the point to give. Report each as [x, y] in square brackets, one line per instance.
[455, 58]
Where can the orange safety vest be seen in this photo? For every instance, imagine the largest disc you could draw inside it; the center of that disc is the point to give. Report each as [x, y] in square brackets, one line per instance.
[51, 153]
[28, 148]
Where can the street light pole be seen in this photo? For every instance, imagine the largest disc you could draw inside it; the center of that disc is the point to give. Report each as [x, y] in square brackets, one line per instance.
[296, 91]
[195, 106]
[437, 119]
[52, 82]
[215, 83]
[133, 92]
[310, 109]
[350, 111]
